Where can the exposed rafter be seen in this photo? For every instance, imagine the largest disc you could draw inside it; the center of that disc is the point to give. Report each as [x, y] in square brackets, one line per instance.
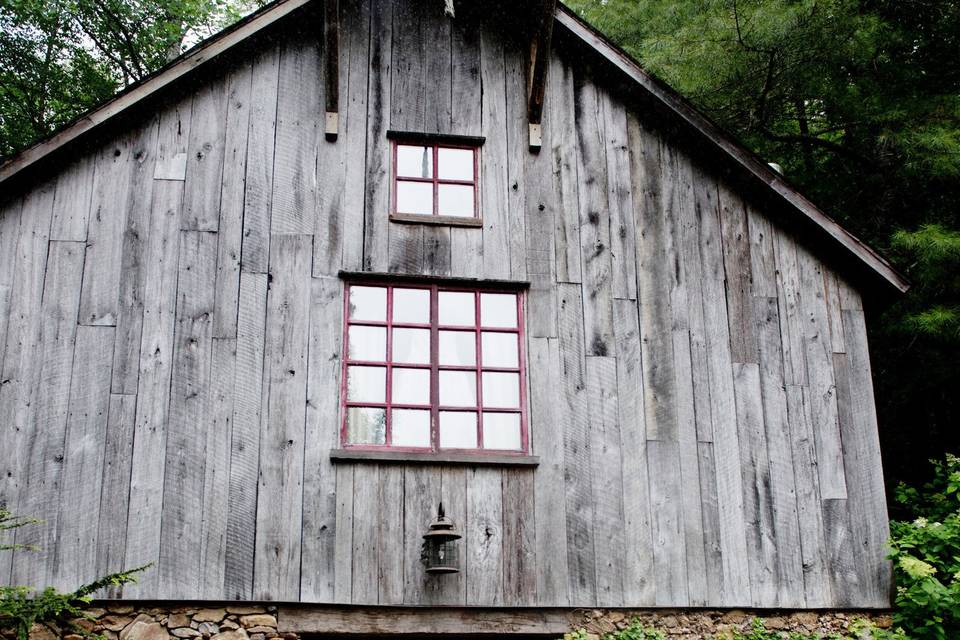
[331, 76]
[537, 64]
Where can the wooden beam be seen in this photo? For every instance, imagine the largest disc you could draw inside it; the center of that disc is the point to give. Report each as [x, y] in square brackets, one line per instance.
[537, 64]
[331, 40]
[352, 620]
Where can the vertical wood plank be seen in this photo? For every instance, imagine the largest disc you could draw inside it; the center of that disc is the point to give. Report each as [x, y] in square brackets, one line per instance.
[320, 484]
[757, 501]
[453, 493]
[49, 404]
[84, 457]
[575, 426]
[638, 575]
[543, 367]
[216, 478]
[791, 304]
[421, 495]
[181, 525]
[519, 538]
[518, 137]
[763, 262]
[620, 200]
[280, 490]
[232, 193]
[608, 498]
[258, 188]
[343, 538]
[299, 100]
[494, 176]
[666, 506]
[390, 520]
[594, 217]
[245, 437]
[115, 487]
[376, 204]
[71, 205]
[484, 537]
[831, 287]
[153, 386]
[737, 265]
[365, 534]
[205, 156]
[561, 119]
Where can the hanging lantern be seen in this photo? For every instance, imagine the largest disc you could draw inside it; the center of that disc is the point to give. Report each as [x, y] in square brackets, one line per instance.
[440, 553]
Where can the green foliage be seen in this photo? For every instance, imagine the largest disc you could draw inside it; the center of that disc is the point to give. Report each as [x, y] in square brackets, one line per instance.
[634, 631]
[23, 607]
[926, 555]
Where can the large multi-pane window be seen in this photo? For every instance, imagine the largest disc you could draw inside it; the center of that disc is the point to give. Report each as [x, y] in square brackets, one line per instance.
[430, 367]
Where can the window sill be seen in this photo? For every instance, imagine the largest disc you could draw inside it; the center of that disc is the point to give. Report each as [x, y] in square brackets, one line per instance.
[446, 221]
[408, 457]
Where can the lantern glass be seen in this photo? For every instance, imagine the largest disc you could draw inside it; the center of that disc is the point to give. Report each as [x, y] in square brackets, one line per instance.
[442, 555]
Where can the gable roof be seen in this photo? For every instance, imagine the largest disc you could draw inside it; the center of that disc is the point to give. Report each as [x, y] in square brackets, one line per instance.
[757, 171]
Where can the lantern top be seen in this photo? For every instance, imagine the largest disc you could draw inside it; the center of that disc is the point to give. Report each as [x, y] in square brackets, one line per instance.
[442, 528]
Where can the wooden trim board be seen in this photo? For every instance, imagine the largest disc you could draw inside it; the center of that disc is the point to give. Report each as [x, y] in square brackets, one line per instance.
[478, 459]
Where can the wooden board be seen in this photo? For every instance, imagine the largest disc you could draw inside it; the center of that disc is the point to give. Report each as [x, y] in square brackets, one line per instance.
[115, 488]
[206, 149]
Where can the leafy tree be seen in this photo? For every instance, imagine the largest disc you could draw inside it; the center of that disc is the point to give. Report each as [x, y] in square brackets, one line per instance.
[859, 100]
[59, 58]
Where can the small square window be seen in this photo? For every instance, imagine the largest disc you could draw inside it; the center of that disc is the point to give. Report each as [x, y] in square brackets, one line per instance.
[432, 367]
[435, 180]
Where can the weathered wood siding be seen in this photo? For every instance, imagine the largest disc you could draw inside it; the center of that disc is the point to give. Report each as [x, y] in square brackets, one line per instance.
[699, 382]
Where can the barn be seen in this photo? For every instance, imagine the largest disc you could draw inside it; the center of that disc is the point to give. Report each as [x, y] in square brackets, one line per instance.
[262, 314]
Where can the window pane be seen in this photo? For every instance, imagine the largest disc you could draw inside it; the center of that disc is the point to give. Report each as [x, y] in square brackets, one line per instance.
[410, 428]
[411, 346]
[455, 164]
[456, 200]
[414, 162]
[458, 348]
[411, 386]
[366, 425]
[501, 431]
[456, 308]
[499, 349]
[414, 197]
[498, 310]
[458, 388]
[367, 343]
[411, 305]
[458, 430]
[367, 384]
[368, 303]
[501, 390]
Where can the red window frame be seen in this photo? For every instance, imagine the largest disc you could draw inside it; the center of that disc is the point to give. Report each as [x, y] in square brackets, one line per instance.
[435, 367]
[436, 181]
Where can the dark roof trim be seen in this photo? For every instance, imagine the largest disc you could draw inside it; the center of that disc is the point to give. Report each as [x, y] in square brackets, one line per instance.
[203, 53]
[745, 158]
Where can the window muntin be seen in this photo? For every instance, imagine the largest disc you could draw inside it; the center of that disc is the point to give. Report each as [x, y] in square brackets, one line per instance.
[435, 179]
[431, 367]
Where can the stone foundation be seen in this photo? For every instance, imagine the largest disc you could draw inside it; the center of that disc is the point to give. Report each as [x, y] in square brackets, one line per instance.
[118, 621]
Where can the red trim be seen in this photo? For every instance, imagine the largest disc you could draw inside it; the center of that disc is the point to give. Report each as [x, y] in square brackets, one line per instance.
[434, 406]
[435, 180]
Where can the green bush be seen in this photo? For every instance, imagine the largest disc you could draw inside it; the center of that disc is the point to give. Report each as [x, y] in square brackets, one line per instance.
[926, 556]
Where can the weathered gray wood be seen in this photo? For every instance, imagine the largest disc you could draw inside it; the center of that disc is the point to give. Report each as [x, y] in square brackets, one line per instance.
[575, 426]
[71, 204]
[47, 415]
[861, 454]
[129, 320]
[791, 303]
[543, 366]
[181, 523]
[494, 176]
[638, 574]
[620, 201]
[153, 387]
[343, 540]
[232, 193]
[816, 581]
[258, 191]
[171, 156]
[790, 590]
[101, 269]
[666, 507]
[364, 535]
[216, 477]
[378, 189]
[518, 136]
[245, 438]
[737, 265]
[390, 519]
[831, 287]
[84, 456]
[484, 537]
[713, 546]
[842, 566]
[24, 240]
[421, 496]
[757, 501]
[205, 156]
[453, 493]
[561, 119]
[763, 264]
[115, 487]
[519, 537]
[818, 357]
[280, 491]
[322, 434]
[594, 217]
[494, 622]
[299, 100]
[608, 498]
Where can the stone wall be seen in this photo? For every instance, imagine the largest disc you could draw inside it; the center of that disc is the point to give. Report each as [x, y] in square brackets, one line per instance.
[158, 621]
